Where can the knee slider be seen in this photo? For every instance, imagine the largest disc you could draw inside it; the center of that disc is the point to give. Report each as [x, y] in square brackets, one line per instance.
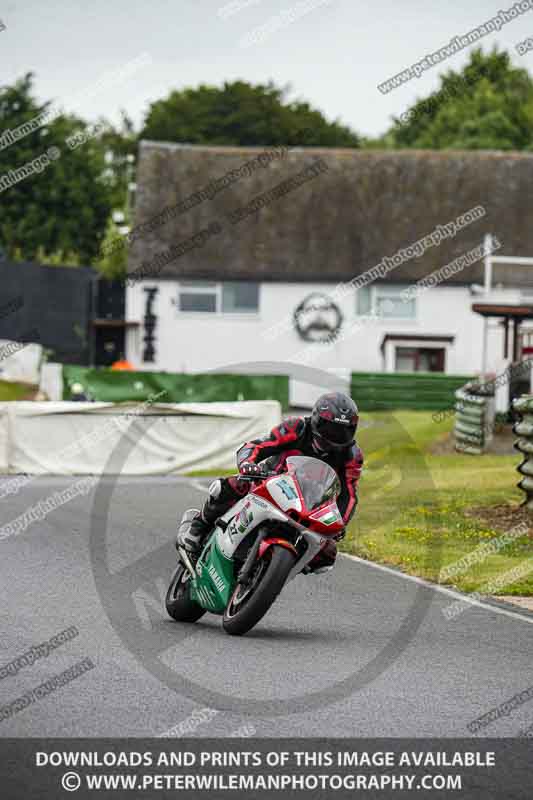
[221, 491]
[215, 489]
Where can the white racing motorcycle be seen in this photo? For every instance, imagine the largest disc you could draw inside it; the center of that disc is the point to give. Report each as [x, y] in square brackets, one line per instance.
[263, 541]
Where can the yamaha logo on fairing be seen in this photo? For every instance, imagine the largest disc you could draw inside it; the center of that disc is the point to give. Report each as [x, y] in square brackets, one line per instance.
[217, 580]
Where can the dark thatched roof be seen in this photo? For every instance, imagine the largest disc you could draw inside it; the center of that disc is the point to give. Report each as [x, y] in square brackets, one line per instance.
[341, 222]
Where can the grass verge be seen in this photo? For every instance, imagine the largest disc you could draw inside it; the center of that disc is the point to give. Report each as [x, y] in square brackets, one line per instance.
[413, 505]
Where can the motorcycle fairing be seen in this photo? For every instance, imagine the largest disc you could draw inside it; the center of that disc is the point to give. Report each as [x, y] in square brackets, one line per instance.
[284, 492]
[245, 515]
[215, 576]
[215, 579]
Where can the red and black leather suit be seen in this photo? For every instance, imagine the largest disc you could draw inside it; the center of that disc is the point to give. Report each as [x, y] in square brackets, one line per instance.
[291, 438]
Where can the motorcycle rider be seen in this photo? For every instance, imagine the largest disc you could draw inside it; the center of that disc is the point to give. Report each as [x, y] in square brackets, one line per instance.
[328, 434]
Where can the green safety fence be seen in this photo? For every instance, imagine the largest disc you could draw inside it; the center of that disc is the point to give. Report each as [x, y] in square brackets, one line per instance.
[112, 386]
[387, 391]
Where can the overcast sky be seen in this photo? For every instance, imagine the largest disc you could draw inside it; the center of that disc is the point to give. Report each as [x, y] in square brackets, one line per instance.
[333, 56]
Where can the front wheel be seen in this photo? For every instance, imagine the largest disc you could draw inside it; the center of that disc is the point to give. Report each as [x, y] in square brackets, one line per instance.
[178, 601]
[249, 603]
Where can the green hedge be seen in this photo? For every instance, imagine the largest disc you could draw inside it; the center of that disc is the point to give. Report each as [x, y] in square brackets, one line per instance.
[15, 391]
[432, 391]
[118, 386]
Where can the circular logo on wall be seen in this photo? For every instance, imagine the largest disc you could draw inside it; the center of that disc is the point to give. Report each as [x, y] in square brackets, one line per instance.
[318, 318]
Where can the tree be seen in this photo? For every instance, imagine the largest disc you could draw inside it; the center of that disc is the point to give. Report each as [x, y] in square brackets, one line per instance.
[242, 114]
[120, 146]
[488, 105]
[112, 264]
[53, 189]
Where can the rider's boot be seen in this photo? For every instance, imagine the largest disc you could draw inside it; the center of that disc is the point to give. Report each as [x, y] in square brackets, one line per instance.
[196, 525]
[189, 537]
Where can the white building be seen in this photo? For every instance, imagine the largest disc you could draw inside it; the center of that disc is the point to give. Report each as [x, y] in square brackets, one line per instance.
[262, 285]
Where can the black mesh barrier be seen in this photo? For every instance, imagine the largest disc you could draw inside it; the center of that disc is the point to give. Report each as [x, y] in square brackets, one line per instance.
[54, 301]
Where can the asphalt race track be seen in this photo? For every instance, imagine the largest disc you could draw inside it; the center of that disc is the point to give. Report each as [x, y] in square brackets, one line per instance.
[359, 652]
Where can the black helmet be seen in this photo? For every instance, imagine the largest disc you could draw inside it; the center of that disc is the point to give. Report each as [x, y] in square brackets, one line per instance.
[334, 421]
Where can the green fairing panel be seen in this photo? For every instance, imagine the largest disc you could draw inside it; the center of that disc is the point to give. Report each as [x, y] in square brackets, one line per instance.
[213, 588]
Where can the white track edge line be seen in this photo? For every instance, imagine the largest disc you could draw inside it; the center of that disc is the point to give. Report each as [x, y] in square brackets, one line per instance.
[442, 589]
[195, 483]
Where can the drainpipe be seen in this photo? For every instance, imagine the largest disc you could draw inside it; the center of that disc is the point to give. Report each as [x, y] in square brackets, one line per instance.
[487, 245]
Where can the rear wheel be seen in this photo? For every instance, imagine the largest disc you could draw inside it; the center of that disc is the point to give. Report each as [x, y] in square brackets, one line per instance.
[178, 601]
[250, 602]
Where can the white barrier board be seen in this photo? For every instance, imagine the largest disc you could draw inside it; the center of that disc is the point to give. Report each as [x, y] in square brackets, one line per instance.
[70, 438]
[20, 362]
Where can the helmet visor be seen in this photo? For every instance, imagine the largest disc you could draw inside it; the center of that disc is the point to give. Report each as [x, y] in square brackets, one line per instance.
[334, 434]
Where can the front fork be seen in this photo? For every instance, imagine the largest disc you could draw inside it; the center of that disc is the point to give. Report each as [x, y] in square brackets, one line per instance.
[314, 545]
[264, 542]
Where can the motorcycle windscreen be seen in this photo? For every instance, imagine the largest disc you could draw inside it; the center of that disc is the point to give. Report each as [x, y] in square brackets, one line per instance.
[318, 481]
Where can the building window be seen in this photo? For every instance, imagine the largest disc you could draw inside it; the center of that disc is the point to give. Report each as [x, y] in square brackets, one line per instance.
[420, 359]
[231, 297]
[197, 296]
[385, 301]
[240, 297]
[364, 301]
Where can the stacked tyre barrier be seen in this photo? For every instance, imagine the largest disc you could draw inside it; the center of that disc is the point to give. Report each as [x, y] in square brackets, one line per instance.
[523, 428]
[474, 419]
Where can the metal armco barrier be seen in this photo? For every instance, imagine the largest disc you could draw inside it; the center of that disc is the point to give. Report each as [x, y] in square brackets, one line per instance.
[474, 419]
[524, 444]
